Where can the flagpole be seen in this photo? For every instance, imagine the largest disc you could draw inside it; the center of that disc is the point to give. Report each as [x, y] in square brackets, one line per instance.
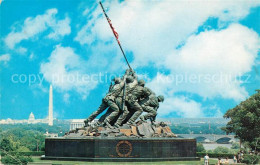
[115, 34]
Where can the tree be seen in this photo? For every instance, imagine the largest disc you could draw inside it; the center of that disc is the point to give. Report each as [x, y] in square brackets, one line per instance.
[6, 145]
[235, 146]
[245, 121]
[23, 149]
[33, 140]
[200, 148]
[221, 150]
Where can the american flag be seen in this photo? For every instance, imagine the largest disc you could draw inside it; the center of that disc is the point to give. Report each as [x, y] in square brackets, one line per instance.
[113, 29]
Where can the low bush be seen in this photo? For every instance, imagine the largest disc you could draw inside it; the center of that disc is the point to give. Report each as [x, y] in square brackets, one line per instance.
[251, 159]
[215, 155]
[16, 159]
[31, 153]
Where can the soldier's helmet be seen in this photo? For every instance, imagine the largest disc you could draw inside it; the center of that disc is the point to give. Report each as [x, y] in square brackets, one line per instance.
[141, 82]
[117, 80]
[160, 98]
[129, 79]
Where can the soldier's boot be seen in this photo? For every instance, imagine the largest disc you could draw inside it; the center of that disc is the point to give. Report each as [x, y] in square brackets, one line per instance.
[134, 117]
[151, 113]
[138, 111]
[142, 118]
[129, 123]
[86, 123]
[116, 125]
[97, 124]
[122, 117]
[107, 123]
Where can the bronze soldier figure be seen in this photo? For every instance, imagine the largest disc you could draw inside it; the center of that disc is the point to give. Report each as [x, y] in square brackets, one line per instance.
[109, 99]
[132, 101]
[150, 105]
[131, 84]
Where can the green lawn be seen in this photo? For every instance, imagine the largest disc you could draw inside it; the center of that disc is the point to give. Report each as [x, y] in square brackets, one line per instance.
[37, 161]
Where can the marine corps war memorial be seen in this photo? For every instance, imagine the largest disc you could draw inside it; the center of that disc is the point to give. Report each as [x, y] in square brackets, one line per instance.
[127, 131]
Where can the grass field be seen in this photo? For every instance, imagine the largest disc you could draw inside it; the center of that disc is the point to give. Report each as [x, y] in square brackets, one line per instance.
[38, 161]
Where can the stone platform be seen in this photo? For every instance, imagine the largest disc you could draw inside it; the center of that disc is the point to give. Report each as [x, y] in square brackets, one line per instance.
[120, 149]
[140, 129]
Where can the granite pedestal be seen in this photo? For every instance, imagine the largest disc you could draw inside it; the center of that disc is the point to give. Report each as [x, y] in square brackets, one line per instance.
[120, 149]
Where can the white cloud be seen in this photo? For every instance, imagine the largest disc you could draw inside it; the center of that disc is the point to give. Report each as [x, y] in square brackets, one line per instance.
[228, 53]
[31, 57]
[33, 26]
[161, 84]
[66, 71]
[5, 58]
[181, 106]
[66, 98]
[21, 50]
[209, 64]
[59, 114]
[60, 28]
[38, 89]
[152, 31]
[218, 114]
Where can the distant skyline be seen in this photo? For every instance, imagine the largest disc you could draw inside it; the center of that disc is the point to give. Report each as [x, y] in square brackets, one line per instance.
[202, 56]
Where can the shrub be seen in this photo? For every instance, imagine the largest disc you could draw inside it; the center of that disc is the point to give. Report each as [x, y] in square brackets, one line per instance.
[221, 149]
[23, 149]
[16, 159]
[251, 159]
[215, 155]
[200, 148]
[235, 146]
[30, 153]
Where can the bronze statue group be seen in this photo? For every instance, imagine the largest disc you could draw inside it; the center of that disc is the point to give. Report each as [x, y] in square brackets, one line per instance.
[126, 100]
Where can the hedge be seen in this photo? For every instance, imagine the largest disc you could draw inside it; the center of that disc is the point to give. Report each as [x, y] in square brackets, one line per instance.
[31, 153]
[215, 155]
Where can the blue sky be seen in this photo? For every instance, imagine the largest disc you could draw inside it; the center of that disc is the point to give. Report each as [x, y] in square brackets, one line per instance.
[203, 56]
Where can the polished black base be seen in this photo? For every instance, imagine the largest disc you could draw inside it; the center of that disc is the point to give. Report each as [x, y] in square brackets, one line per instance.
[119, 159]
[120, 149]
